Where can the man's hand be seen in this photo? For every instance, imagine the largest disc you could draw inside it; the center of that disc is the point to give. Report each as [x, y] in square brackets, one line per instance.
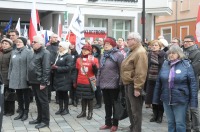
[136, 93]
[42, 87]
[54, 67]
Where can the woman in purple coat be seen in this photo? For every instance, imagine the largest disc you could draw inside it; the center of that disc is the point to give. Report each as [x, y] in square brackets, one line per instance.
[108, 79]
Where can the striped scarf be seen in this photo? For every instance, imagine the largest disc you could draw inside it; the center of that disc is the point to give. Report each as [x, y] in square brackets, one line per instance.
[153, 69]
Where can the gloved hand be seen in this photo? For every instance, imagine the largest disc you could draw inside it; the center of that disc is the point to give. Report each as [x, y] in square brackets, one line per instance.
[54, 67]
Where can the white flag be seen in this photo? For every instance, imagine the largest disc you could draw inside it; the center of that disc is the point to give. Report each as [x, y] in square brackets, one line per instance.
[25, 32]
[77, 27]
[18, 27]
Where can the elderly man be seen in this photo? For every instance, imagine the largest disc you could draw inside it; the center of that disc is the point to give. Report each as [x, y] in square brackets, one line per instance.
[38, 74]
[193, 53]
[133, 74]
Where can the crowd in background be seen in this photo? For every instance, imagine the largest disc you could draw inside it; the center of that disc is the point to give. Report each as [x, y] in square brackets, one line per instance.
[163, 75]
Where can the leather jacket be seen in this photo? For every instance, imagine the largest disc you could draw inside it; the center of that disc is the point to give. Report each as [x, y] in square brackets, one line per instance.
[39, 67]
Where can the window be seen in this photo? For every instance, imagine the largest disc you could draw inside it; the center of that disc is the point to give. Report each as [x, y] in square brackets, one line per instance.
[184, 31]
[96, 22]
[121, 28]
[167, 33]
[185, 5]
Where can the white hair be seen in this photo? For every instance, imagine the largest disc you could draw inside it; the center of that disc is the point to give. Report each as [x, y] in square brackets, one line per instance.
[65, 45]
[39, 39]
[136, 36]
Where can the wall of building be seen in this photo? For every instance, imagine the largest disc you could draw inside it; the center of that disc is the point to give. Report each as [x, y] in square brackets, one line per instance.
[183, 29]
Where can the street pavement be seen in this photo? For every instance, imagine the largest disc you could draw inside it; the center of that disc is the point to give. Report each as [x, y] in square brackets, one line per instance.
[69, 122]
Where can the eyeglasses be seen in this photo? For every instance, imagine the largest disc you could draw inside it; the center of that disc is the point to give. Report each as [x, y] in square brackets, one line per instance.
[187, 41]
[34, 42]
[154, 45]
[130, 39]
[174, 42]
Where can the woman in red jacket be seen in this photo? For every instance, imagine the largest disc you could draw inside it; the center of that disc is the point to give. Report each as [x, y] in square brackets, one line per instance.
[86, 66]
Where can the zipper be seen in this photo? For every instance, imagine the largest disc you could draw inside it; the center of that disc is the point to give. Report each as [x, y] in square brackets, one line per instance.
[170, 96]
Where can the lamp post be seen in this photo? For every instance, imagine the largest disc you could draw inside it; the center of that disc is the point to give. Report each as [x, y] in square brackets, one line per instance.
[143, 21]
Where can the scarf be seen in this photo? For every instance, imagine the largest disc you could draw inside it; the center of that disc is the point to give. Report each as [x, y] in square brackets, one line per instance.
[172, 73]
[122, 51]
[153, 69]
[108, 54]
[190, 49]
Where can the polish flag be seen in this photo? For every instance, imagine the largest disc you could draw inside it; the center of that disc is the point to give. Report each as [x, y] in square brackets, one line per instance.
[18, 27]
[59, 27]
[34, 20]
[198, 26]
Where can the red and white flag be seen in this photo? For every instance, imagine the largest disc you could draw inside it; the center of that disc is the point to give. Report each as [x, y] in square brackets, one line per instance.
[198, 26]
[34, 20]
[59, 27]
[18, 27]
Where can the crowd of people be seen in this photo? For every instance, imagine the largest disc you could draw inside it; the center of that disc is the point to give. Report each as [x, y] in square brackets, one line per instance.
[164, 76]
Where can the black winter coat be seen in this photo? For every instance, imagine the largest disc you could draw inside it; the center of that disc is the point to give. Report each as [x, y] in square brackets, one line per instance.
[39, 67]
[62, 75]
[84, 91]
[150, 84]
[53, 49]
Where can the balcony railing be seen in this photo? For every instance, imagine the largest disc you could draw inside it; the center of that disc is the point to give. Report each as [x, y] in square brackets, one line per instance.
[135, 1]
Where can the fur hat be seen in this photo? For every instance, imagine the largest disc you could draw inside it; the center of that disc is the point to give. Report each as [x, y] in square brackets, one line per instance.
[65, 45]
[7, 40]
[111, 40]
[87, 47]
[24, 40]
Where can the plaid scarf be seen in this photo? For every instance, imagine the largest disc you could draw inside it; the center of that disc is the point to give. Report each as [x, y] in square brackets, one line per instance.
[108, 54]
[172, 73]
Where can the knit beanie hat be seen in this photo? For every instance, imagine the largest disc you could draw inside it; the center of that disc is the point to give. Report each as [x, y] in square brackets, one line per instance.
[87, 47]
[7, 40]
[24, 40]
[111, 40]
[164, 42]
[65, 45]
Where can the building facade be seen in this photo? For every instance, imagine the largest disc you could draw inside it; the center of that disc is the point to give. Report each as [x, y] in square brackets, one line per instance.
[118, 16]
[182, 22]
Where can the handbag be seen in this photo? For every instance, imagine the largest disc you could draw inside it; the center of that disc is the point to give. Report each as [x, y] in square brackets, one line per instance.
[120, 107]
[10, 95]
[92, 79]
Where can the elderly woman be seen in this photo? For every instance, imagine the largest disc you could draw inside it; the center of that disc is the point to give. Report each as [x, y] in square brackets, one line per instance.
[87, 66]
[155, 60]
[18, 76]
[62, 77]
[176, 87]
[108, 79]
[5, 55]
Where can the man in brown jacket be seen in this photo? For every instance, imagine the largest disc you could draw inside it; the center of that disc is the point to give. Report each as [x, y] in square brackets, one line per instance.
[133, 74]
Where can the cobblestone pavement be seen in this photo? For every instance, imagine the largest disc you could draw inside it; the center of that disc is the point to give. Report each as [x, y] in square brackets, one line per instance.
[69, 122]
